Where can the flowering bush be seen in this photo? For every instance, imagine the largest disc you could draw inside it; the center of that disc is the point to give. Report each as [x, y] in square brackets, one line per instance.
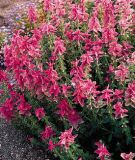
[73, 78]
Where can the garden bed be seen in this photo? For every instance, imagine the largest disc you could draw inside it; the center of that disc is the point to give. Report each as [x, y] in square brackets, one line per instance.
[73, 78]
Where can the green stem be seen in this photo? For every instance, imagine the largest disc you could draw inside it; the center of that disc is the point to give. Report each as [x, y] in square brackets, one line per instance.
[98, 73]
[63, 70]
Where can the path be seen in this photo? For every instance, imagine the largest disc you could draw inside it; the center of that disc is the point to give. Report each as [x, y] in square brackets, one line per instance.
[13, 145]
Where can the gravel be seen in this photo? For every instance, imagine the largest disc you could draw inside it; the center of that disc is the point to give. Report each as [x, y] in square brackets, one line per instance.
[14, 146]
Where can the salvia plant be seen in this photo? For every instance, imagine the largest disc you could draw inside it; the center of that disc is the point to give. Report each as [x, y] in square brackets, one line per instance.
[70, 78]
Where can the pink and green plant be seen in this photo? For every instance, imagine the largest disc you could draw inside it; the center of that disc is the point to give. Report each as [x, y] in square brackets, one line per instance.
[73, 78]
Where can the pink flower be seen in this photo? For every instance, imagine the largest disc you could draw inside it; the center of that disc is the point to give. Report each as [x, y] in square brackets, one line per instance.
[108, 14]
[74, 12]
[65, 110]
[101, 151]
[111, 69]
[48, 28]
[79, 95]
[3, 76]
[125, 10]
[34, 52]
[66, 138]
[80, 158]
[78, 35]
[32, 15]
[96, 52]
[126, 50]
[119, 111]
[131, 60]
[60, 9]
[107, 94]
[74, 118]
[23, 107]
[77, 71]
[130, 94]
[86, 59]
[65, 89]
[6, 110]
[69, 34]
[109, 34]
[51, 145]
[61, 12]
[47, 133]
[48, 6]
[1, 91]
[63, 107]
[115, 49]
[118, 94]
[126, 156]
[59, 47]
[121, 73]
[54, 90]
[40, 113]
[37, 34]
[78, 13]
[94, 24]
[51, 87]
[89, 43]
[83, 88]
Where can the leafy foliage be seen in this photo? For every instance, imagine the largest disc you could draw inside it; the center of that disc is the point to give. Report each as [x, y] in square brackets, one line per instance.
[73, 67]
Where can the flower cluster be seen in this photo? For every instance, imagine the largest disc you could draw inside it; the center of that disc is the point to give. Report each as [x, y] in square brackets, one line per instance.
[77, 64]
[102, 151]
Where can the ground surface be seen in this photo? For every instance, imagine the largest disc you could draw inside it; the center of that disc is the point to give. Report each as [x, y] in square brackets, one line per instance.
[13, 143]
[8, 7]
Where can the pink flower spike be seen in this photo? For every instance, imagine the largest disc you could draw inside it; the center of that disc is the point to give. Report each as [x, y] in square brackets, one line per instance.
[119, 111]
[107, 94]
[3, 76]
[66, 138]
[65, 110]
[32, 15]
[94, 24]
[126, 156]
[101, 151]
[48, 6]
[65, 89]
[51, 146]
[63, 107]
[48, 28]
[118, 94]
[59, 47]
[115, 49]
[6, 110]
[40, 113]
[24, 107]
[121, 73]
[47, 133]
[74, 118]
[130, 94]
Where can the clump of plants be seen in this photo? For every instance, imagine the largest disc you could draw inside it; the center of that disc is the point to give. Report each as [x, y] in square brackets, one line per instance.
[73, 79]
